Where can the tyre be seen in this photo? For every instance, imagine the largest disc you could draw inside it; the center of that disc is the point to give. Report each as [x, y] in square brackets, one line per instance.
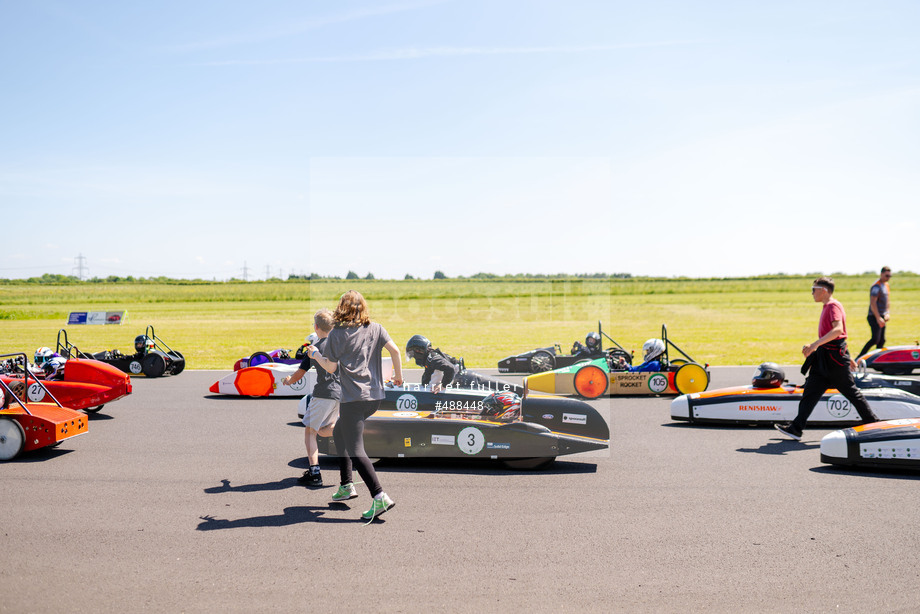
[691, 378]
[259, 358]
[12, 439]
[93, 410]
[591, 381]
[178, 366]
[542, 361]
[153, 365]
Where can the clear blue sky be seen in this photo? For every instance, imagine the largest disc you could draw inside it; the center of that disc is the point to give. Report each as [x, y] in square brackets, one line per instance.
[191, 139]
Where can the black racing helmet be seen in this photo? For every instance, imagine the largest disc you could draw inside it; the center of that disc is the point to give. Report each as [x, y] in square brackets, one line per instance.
[593, 341]
[417, 348]
[768, 375]
[140, 343]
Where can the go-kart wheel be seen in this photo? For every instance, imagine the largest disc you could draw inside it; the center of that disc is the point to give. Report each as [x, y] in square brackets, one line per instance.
[591, 381]
[93, 410]
[528, 464]
[179, 364]
[542, 361]
[678, 362]
[259, 358]
[19, 389]
[12, 439]
[153, 365]
[691, 378]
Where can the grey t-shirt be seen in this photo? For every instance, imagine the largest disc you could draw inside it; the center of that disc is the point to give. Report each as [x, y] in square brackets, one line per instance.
[327, 384]
[879, 289]
[357, 350]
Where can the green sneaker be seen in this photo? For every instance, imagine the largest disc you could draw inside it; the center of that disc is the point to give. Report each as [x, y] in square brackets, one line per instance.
[380, 504]
[345, 492]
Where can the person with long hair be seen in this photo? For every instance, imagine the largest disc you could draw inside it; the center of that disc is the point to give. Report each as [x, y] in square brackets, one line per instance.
[354, 347]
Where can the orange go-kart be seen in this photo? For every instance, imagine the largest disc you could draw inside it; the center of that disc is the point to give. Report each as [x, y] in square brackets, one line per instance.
[26, 426]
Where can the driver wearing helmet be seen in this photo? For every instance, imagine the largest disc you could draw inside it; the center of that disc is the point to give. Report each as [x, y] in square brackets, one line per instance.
[651, 358]
[143, 344]
[303, 350]
[42, 356]
[592, 345]
[504, 406]
[54, 368]
[432, 359]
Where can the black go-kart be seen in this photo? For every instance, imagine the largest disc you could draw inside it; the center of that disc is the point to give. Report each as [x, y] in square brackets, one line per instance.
[552, 357]
[151, 357]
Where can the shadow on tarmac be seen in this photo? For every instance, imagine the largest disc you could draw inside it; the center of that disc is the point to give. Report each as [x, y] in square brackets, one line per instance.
[279, 485]
[292, 515]
[891, 473]
[780, 447]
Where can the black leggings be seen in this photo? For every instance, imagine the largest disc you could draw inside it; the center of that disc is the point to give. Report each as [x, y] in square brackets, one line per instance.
[817, 383]
[878, 335]
[348, 436]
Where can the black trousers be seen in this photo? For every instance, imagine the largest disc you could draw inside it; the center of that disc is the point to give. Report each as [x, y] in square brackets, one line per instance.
[348, 436]
[878, 335]
[818, 382]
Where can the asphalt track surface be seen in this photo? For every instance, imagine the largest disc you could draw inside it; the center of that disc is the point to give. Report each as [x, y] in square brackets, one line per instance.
[180, 501]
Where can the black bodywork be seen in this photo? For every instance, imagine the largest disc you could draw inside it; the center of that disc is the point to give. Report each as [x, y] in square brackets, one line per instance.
[156, 362]
[414, 422]
[552, 357]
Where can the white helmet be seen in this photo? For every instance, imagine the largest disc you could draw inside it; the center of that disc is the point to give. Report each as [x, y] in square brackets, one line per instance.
[41, 355]
[312, 338]
[653, 348]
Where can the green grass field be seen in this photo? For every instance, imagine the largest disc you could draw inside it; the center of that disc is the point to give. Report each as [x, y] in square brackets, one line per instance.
[722, 322]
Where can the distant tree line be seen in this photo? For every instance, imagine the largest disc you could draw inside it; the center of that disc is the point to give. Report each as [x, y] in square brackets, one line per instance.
[51, 278]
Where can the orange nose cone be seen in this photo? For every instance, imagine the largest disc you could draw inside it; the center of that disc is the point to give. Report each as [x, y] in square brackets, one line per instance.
[255, 382]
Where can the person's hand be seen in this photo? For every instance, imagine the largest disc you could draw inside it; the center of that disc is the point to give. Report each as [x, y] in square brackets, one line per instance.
[398, 381]
[286, 380]
[809, 349]
[436, 388]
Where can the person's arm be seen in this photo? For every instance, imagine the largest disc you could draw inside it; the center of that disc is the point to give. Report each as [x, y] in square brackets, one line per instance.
[293, 378]
[835, 331]
[397, 364]
[325, 363]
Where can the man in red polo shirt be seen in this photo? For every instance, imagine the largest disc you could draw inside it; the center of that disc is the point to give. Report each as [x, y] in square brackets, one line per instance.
[828, 362]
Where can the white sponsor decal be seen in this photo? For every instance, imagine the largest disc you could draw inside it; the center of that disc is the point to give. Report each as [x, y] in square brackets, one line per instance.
[407, 402]
[575, 418]
[838, 406]
[658, 383]
[471, 440]
[442, 440]
[299, 384]
[405, 414]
